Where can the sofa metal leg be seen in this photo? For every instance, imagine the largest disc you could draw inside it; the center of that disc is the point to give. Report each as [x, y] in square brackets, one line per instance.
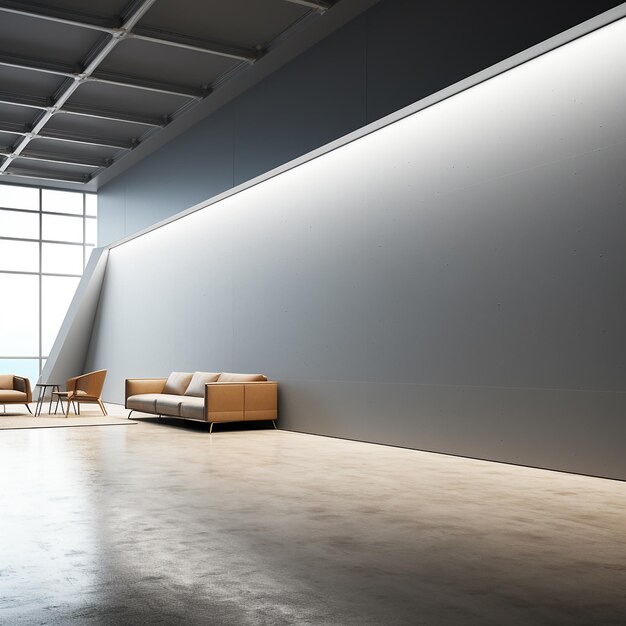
[274, 425]
[131, 412]
[211, 427]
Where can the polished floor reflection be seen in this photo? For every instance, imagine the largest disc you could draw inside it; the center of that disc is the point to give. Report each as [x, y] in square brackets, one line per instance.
[164, 524]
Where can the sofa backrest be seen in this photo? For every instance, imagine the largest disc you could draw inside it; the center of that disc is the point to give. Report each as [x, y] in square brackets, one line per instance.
[228, 377]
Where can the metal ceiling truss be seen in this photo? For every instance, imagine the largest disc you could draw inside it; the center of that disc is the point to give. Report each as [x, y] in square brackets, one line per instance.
[46, 175]
[34, 102]
[138, 11]
[144, 33]
[104, 114]
[19, 100]
[72, 137]
[82, 161]
[10, 128]
[111, 78]
[113, 31]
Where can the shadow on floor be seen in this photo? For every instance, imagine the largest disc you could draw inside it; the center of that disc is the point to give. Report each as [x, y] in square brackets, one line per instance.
[190, 425]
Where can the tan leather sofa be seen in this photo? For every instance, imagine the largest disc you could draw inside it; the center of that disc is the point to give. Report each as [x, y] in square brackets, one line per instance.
[205, 396]
[15, 390]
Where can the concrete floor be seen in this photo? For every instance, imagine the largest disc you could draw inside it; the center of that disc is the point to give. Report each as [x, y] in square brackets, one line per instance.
[159, 524]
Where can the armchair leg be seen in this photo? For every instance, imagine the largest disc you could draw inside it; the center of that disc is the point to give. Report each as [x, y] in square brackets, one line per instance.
[69, 404]
[29, 409]
[104, 411]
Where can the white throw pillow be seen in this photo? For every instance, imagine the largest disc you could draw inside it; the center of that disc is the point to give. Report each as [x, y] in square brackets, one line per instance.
[177, 383]
[198, 381]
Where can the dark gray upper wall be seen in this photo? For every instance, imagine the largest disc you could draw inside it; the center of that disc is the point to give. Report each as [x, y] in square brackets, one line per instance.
[396, 53]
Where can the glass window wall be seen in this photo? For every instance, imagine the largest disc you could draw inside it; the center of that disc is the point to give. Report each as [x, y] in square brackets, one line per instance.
[46, 239]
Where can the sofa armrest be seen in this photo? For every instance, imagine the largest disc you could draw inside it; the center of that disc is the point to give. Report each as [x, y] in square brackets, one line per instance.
[232, 401]
[23, 384]
[223, 402]
[135, 386]
[261, 400]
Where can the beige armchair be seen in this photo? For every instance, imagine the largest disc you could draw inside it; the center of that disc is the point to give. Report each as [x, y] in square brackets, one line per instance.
[15, 390]
[86, 389]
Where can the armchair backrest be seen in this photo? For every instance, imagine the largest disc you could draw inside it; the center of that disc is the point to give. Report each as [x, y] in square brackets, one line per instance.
[23, 384]
[91, 384]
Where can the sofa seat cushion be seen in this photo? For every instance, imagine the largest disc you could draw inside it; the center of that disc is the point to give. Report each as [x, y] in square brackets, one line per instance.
[9, 395]
[177, 383]
[228, 377]
[192, 407]
[198, 382]
[168, 404]
[143, 402]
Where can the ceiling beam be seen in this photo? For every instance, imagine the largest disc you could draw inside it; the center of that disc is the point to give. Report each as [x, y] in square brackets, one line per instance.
[35, 102]
[171, 89]
[318, 5]
[133, 12]
[110, 78]
[92, 140]
[105, 114]
[38, 65]
[22, 100]
[19, 172]
[50, 157]
[11, 128]
[166, 38]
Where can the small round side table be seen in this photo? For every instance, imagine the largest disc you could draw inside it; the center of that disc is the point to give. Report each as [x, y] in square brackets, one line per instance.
[42, 394]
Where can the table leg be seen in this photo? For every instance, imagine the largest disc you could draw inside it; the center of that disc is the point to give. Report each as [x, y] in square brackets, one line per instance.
[56, 408]
[54, 388]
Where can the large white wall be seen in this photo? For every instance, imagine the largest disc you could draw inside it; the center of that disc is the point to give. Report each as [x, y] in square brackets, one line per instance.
[451, 282]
